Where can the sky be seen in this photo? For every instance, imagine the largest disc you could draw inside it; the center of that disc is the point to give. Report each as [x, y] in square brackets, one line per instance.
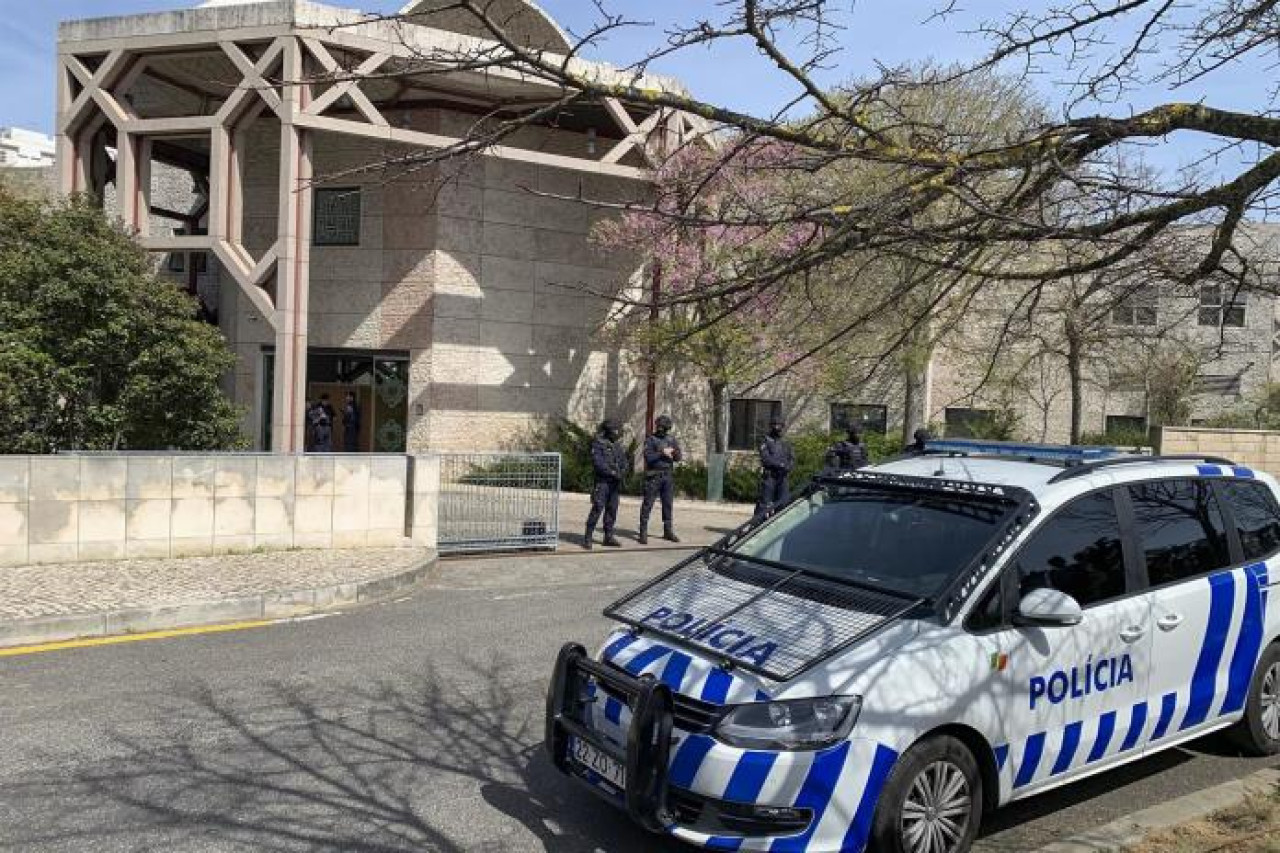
[734, 74]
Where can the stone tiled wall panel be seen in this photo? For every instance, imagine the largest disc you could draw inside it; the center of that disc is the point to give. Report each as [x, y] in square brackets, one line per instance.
[103, 507]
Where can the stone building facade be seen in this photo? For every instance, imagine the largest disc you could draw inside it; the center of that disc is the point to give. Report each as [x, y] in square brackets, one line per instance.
[271, 154]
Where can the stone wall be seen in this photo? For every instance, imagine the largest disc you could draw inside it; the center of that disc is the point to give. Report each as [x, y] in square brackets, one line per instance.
[107, 507]
[1253, 448]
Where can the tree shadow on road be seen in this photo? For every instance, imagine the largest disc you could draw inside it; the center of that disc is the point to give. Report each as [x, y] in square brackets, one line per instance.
[434, 764]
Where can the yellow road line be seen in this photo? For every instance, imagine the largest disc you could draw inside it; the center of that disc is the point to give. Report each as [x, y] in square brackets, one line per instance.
[133, 638]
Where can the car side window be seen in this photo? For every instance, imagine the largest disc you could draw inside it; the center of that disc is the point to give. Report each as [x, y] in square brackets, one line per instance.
[1179, 528]
[1257, 516]
[1078, 551]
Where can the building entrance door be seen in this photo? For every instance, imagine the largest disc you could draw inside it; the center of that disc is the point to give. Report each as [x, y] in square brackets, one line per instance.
[379, 384]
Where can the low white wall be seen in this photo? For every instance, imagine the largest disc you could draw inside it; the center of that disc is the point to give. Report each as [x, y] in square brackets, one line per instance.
[71, 508]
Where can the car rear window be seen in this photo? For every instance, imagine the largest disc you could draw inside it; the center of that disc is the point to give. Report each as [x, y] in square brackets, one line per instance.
[1256, 514]
[1180, 529]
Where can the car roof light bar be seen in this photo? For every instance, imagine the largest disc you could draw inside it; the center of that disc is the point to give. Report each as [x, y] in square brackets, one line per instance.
[1063, 454]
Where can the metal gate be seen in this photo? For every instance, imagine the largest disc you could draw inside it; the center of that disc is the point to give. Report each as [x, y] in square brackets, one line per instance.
[499, 502]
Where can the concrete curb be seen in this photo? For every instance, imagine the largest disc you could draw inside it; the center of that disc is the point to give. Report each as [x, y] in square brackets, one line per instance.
[1131, 829]
[282, 604]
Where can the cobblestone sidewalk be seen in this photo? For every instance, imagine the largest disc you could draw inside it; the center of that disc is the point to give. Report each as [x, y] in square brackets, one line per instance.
[32, 592]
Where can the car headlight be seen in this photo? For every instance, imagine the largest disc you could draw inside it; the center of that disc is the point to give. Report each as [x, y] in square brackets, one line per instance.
[795, 724]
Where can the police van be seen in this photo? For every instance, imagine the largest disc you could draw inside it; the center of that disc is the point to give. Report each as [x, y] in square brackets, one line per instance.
[904, 647]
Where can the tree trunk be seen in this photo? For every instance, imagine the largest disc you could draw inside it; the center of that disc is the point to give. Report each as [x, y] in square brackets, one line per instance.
[913, 414]
[1075, 369]
[718, 392]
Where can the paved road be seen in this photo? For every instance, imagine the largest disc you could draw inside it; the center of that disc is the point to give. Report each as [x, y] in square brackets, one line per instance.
[411, 726]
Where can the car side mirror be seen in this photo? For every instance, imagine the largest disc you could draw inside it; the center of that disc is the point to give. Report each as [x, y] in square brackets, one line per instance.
[1048, 608]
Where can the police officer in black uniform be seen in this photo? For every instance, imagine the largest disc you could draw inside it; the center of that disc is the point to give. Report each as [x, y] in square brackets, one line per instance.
[610, 462]
[917, 446]
[661, 453]
[776, 462]
[849, 453]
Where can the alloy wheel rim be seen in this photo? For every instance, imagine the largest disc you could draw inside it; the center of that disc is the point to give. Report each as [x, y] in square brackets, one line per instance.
[1271, 702]
[935, 815]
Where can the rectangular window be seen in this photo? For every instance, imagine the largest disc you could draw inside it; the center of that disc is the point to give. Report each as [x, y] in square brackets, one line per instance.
[1078, 551]
[1219, 308]
[1136, 309]
[967, 423]
[1218, 384]
[336, 221]
[1257, 517]
[867, 417]
[1126, 424]
[1179, 528]
[749, 422]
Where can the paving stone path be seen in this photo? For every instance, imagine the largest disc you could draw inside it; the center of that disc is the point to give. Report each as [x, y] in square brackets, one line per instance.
[28, 592]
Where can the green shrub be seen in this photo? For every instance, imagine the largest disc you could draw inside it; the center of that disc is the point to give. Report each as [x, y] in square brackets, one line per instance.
[1117, 438]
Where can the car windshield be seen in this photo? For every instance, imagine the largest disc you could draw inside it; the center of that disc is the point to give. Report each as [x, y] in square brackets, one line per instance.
[908, 541]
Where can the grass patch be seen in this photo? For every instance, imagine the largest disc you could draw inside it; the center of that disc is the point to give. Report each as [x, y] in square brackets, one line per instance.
[1251, 827]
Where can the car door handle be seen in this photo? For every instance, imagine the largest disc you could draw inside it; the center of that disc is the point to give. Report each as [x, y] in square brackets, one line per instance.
[1169, 622]
[1133, 633]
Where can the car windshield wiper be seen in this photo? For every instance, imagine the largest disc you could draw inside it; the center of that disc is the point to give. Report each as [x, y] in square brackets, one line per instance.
[819, 574]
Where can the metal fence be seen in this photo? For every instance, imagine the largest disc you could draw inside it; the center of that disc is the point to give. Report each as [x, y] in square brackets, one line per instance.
[499, 502]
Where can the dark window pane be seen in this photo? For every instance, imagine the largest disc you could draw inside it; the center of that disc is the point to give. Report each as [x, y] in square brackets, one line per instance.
[336, 220]
[1233, 316]
[1180, 529]
[749, 422]
[1145, 316]
[868, 418]
[1078, 552]
[1122, 315]
[1257, 517]
[1211, 295]
[1210, 316]
[989, 613]
[965, 423]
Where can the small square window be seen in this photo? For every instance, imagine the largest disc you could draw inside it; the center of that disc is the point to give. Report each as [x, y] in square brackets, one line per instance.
[336, 220]
[1233, 315]
[1210, 317]
[1211, 295]
[1144, 316]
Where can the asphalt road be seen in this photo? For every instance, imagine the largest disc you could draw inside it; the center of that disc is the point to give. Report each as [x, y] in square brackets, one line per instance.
[414, 726]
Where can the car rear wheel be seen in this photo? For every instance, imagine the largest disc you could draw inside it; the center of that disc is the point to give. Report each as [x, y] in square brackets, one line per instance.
[1259, 732]
[932, 802]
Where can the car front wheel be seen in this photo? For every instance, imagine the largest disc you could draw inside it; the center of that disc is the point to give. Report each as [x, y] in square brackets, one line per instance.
[932, 802]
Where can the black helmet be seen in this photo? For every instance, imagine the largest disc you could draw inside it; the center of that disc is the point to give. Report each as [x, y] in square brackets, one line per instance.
[611, 427]
[663, 423]
[921, 435]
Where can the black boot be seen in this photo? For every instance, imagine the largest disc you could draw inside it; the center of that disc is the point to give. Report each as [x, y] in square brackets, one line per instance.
[643, 538]
[586, 540]
[610, 541]
[669, 534]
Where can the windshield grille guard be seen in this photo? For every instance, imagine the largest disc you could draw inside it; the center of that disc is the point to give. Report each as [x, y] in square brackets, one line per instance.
[779, 620]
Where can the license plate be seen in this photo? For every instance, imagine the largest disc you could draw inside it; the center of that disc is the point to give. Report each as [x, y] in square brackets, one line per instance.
[599, 762]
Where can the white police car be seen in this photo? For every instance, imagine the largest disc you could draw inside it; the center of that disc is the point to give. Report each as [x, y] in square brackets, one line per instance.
[904, 647]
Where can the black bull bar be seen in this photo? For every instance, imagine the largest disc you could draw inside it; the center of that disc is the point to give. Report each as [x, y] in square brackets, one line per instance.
[648, 738]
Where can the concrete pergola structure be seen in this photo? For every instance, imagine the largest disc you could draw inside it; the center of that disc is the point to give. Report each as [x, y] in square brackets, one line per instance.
[186, 87]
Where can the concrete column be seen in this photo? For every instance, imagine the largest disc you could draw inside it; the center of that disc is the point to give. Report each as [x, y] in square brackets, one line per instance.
[293, 269]
[68, 155]
[424, 500]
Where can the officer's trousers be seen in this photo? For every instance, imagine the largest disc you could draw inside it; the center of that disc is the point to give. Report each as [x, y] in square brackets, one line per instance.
[604, 499]
[774, 492]
[658, 484]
